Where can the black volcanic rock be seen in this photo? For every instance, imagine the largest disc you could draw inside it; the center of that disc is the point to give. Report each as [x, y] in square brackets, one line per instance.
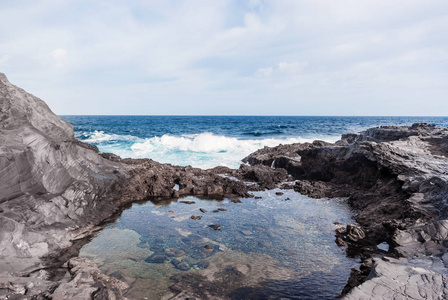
[396, 177]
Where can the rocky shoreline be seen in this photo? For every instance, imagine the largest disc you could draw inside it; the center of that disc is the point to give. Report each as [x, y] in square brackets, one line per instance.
[396, 177]
[56, 191]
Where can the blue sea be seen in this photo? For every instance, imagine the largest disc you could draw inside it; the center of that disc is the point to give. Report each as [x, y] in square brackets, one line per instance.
[209, 141]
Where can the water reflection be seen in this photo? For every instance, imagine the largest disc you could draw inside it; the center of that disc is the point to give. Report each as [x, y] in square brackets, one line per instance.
[279, 246]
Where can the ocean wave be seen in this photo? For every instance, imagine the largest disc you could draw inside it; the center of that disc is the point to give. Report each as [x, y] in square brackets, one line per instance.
[208, 143]
[204, 150]
[99, 136]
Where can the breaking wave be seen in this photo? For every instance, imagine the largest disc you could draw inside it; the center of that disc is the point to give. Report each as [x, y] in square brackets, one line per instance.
[204, 150]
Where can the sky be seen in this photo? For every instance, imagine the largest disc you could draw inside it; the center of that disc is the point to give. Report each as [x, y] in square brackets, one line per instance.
[229, 57]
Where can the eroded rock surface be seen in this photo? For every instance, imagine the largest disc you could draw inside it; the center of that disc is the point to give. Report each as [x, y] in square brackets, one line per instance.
[396, 177]
[56, 190]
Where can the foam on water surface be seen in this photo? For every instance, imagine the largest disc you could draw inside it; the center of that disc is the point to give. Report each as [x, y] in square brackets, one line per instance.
[209, 141]
[204, 150]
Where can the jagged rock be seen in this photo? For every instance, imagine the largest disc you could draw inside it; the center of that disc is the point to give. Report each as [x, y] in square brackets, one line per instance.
[88, 282]
[51, 185]
[265, 176]
[54, 189]
[396, 177]
[404, 279]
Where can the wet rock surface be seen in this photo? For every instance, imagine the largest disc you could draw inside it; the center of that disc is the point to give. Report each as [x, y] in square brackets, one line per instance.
[55, 191]
[396, 177]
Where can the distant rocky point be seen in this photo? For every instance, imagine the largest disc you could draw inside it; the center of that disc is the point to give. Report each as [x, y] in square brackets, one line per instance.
[56, 191]
[397, 178]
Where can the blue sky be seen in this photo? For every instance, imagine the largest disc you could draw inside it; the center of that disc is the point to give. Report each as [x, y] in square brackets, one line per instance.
[255, 57]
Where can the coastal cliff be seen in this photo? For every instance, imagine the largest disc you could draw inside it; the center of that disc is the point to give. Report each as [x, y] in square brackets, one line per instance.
[56, 191]
[52, 190]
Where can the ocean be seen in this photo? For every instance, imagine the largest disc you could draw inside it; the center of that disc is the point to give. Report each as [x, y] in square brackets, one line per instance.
[209, 141]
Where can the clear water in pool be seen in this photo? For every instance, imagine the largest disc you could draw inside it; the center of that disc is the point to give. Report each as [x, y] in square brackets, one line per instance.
[279, 246]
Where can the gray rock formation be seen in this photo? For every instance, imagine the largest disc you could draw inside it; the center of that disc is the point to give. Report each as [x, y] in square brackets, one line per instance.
[52, 189]
[397, 177]
[56, 190]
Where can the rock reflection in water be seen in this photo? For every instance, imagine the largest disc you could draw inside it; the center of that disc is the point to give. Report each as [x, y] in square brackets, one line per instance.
[265, 248]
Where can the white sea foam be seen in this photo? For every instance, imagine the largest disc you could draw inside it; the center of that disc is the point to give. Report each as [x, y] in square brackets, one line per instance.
[101, 137]
[205, 150]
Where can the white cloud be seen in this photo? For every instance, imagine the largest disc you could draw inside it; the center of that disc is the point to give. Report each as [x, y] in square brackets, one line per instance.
[282, 69]
[4, 59]
[60, 57]
[264, 72]
[188, 52]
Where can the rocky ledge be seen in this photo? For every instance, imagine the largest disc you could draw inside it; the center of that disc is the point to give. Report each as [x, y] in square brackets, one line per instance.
[396, 178]
[56, 191]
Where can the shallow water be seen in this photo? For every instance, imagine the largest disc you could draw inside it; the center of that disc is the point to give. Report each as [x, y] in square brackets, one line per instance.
[268, 248]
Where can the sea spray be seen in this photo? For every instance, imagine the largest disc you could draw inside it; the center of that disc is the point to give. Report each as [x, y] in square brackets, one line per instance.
[204, 150]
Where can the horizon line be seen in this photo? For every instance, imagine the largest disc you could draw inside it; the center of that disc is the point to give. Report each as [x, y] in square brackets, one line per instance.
[161, 115]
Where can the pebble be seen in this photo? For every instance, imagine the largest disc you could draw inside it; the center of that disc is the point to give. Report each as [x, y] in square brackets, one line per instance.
[188, 202]
[208, 248]
[215, 227]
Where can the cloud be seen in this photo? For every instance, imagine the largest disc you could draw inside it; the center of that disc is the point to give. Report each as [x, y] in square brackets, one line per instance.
[4, 59]
[264, 72]
[314, 57]
[282, 69]
[60, 57]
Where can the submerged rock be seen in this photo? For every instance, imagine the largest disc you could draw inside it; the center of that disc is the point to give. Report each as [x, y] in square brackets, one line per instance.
[180, 265]
[156, 258]
[174, 252]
